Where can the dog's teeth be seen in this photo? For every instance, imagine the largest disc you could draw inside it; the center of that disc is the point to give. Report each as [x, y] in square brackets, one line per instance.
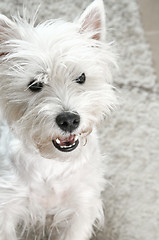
[76, 138]
[69, 146]
[66, 146]
[58, 141]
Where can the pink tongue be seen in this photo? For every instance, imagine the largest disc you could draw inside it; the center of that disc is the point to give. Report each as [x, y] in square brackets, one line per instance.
[67, 141]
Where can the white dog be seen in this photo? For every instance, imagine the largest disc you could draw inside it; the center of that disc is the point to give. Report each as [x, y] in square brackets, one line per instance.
[55, 87]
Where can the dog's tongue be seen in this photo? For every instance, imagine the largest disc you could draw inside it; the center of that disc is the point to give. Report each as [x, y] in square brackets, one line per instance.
[67, 141]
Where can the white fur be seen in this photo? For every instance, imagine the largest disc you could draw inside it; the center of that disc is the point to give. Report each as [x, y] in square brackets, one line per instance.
[43, 190]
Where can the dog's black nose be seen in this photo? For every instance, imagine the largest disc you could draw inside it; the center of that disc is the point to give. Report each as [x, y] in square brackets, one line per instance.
[68, 121]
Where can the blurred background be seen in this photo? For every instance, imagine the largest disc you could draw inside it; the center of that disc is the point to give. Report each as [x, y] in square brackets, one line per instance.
[149, 10]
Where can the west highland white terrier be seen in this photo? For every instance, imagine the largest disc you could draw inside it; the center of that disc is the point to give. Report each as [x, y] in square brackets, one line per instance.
[55, 87]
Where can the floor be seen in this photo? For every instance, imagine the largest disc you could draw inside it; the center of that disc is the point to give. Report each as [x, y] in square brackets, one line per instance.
[150, 18]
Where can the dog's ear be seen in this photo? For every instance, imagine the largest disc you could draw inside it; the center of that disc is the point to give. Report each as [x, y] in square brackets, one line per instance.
[93, 20]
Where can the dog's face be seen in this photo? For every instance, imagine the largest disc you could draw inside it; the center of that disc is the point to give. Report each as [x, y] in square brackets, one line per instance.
[55, 80]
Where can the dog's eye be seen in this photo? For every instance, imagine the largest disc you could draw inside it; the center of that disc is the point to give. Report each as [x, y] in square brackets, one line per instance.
[35, 87]
[81, 79]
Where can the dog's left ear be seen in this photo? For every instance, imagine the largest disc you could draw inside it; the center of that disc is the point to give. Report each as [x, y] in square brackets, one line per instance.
[92, 20]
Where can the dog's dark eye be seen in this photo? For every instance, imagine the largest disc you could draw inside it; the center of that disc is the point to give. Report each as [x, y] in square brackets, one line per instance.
[35, 87]
[81, 79]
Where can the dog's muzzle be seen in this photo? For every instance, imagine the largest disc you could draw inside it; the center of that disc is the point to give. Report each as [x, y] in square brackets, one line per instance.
[67, 122]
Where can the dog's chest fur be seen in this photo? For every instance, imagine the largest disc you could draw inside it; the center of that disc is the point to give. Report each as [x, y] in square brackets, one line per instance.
[47, 196]
[52, 185]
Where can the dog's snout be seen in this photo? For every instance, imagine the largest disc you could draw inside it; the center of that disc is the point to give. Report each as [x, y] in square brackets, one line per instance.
[68, 121]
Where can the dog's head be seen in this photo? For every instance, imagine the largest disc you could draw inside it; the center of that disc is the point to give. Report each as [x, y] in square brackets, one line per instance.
[55, 79]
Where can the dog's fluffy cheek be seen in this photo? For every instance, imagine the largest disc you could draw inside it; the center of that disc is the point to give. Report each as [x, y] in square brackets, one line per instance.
[46, 150]
[13, 112]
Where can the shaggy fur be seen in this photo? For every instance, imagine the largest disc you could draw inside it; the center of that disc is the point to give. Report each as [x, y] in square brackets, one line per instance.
[43, 190]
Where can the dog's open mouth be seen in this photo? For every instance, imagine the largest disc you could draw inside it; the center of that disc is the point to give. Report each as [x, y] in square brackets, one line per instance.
[66, 144]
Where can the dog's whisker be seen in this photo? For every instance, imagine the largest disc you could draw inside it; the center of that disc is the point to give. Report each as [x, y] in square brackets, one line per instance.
[84, 140]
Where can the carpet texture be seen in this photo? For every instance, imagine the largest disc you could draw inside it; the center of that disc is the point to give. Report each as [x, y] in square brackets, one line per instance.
[130, 138]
